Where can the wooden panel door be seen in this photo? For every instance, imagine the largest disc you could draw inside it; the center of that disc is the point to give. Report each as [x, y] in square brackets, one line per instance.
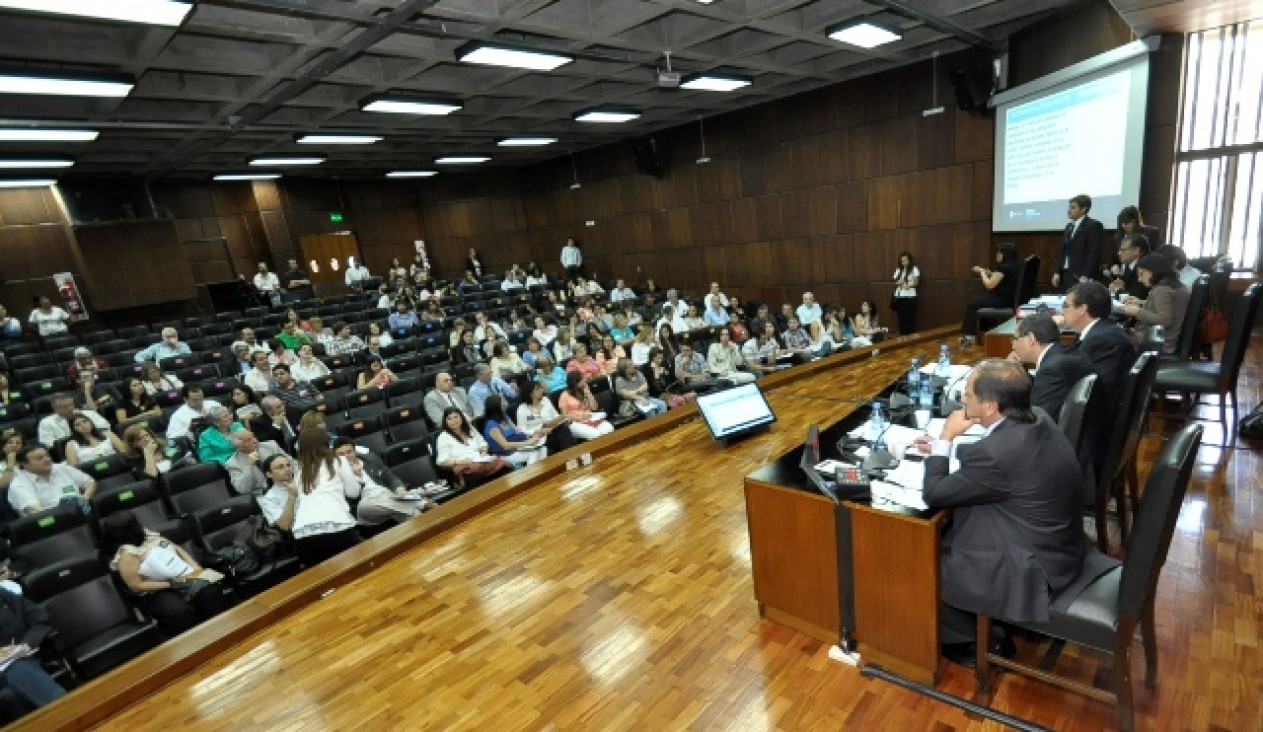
[325, 257]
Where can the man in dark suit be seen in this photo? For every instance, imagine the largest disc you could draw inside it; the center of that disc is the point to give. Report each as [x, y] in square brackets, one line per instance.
[1086, 311]
[1130, 249]
[274, 425]
[1080, 245]
[1057, 368]
[1016, 537]
[383, 496]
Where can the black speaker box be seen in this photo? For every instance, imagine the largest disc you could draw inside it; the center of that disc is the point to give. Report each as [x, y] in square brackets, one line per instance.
[972, 87]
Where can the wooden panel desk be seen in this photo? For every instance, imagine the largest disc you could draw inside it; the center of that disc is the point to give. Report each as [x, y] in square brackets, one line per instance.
[892, 553]
[998, 342]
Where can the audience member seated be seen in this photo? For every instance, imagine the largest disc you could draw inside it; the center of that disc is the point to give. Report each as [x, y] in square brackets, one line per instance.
[274, 425]
[384, 497]
[385, 300]
[641, 347]
[608, 354]
[724, 360]
[40, 484]
[668, 343]
[1086, 310]
[307, 367]
[169, 347]
[673, 319]
[250, 339]
[167, 583]
[533, 352]
[715, 315]
[999, 501]
[782, 318]
[48, 319]
[9, 394]
[279, 353]
[10, 327]
[1057, 368]
[313, 510]
[356, 275]
[467, 350]
[239, 365]
[485, 385]
[866, 323]
[377, 340]
[245, 465]
[756, 323]
[760, 352]
[633, 391]
[88, 442]
[295, 277]
[1188, 274]
[544, 333]
[563, 346]
[56, 426]
[156, 382]
[516, 322]
[403, 320]
[583, 363]
[809, 315]
[343, 342]
[136, 401]
[294, 393]
[319, 332]
[243, 404]
[620, 331]
[84, 361]
[24, 683]
[677, 305]
[1001, 285]
[1126, 277]
[796, 338]
[259, 378]
[292, 335]
[691, 369]
[212, 444]
[446, 394]
[97, 397]
[468, 283]
[580, 407]
[375, 375]
[505, 363]
[663, 384]
[505, 441]
[149, 456]
[1165, 306]
[463, 451]
[621, 292]
[552, 376]
[12, 445]
[194, 406]
[693, 319]
[535, 277]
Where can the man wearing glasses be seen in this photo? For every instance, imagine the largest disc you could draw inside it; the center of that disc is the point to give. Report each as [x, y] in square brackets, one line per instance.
[1130, 250]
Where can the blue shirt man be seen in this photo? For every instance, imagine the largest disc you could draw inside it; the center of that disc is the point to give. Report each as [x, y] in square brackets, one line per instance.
[485, 385]
[715, 313]
[169, 347]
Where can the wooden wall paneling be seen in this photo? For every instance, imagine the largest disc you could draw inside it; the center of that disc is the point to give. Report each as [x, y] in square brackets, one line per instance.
[779, 173]
[936, 140]
[720, 179]
[22, 206]
[744, 220]
[480, 222]
[881, 99]
[241, 244]
[846, 102]
[805, 114]
[189, 229]
[835, 257]
[899, 144]
[822, 210]
[852, 206]
[973, 136]
[184, 200]
[162, 276]
[805, 161]
[914, 87]
[230, 197]
[865, 155]
[874, 253]
[767, 217]
[639, 233]
[503, 215]
[536, 207]
[33, 252]
[796, 213]
[324, 248]
[1069, 36]
[883, 203]
[833, 155]
[267, 195]
[277, 233]
[309, 194]
[754, 166]
[983, 174]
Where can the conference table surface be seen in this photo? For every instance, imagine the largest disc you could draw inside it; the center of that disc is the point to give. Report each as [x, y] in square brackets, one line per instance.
[619, 596]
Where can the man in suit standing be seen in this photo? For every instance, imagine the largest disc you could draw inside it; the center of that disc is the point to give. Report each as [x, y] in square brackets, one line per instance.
[446, 394]
[1057, 368]
[1080, 245]
[1016, 537]
[245, 465]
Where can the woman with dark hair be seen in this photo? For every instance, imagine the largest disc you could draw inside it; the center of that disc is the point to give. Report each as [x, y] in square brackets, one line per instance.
[467, 349]
[473, 262]
[311, 502]
[8, 392]
[865, 321]
[667, 343]
[47, 318]
[660, 377]
[170, 585]
[243, 403]
[904, 302]
[538, 413]
[1001, 284]
[579, 406]
[1131, 222]
[1166, 304]
[150, 457]
[157, 382]
[375, 376]
[504, 439]
[463, 451]
[136, 401]
[87, 442]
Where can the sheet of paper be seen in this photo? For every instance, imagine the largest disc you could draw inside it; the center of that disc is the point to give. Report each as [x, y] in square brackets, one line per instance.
[957, 371]
[935, 428]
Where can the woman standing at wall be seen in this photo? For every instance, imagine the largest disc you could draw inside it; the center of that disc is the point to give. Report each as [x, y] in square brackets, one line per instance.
[904, 301]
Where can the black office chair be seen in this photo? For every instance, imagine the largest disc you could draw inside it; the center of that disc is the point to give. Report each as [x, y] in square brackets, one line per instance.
[1199, 377]
[43, 538]
[1074, 409]
[1188, 330]
[1153, 341]
[1027, 279]
[1105, 614]
[1118, 468]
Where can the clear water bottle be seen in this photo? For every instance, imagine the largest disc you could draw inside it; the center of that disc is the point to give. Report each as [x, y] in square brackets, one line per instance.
[925, 399]
[944, 368]
[914, 375]
[877, 428]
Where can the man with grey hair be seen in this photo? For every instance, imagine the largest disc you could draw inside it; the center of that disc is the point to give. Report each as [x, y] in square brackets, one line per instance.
[485, 384]
[57, 425]
[245, 465]
[274, 425]
[240, 364]
[169, 347]
[446, 394]
[84, 361]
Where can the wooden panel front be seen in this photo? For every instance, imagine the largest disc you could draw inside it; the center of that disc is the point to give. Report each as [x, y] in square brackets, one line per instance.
[319, 253]
[794, 555]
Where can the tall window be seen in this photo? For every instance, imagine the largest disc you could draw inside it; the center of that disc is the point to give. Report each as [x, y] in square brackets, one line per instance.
[1218, 202]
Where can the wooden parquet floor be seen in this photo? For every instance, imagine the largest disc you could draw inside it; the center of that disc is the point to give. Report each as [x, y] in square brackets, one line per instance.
[618, 597]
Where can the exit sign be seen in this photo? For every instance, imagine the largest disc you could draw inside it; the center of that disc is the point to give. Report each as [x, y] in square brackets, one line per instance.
[335, 217]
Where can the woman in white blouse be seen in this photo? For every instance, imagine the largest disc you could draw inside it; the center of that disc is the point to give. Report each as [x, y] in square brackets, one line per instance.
[463, 451]
[907, 277]
[724, 360]
[49, 319]
[88, 442]
[642, 346]
[308, 368]
[563, 347]
[311, 502]
[544, 333]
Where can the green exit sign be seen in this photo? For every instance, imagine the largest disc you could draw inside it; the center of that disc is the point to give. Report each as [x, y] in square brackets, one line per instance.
[335, 217]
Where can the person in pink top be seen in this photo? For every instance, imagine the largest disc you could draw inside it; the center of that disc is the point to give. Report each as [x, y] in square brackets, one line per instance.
[584, 363]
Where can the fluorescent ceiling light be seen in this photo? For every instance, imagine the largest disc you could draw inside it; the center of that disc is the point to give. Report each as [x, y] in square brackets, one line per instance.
[153, 12]
[26, 182]
[64, 85]
[28, 134]
[337, 139]
[606, 115]
[510, 56]
[408, 105]
[20, 163]
[247, 176]
[291, 160]
[525, 141]
[864, 34]
[715, 82]
[460, 159]
[411, 173]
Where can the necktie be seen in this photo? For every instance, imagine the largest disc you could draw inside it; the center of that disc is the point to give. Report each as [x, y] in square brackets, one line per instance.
[450, 401]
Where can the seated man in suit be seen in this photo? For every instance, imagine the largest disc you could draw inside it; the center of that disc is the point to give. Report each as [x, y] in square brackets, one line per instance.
[1127, 279]
[1086, 311]
[384, 497]
[1016, 536]
[245, 466]
[1057, 368]
[446, 394]
[273, 425]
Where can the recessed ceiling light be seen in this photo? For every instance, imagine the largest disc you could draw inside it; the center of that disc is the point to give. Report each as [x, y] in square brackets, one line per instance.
[64, 85]
[408, 105]
[336, 139]
[715, 82]
[511, 56]
[606, 115]
[525, 141]
[460, 159]
[288, 160]
[26, 182]
[154, 12]
[864, 34]
[247, 176]
[29, 134]
[411, 173]
[34, 163]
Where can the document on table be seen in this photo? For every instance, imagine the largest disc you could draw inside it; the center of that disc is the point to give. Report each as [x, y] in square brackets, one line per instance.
[902, 485]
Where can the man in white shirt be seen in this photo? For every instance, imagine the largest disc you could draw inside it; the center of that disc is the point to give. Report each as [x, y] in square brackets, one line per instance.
[266, 282]
[673, 318]
[621, 292]
[714, 292]
[446, 394]
[193, 407]
[56, 426]
[809, 315]
[572, 259]
[383, 496]
[169, 347]
[356, 273]
[40, 484]
[480, 330]
[259, 378]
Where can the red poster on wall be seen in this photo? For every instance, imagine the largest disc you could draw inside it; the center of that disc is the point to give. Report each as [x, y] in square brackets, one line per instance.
[70, 296]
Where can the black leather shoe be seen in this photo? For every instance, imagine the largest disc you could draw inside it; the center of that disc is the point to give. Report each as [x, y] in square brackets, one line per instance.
[1002, 645]
[961, 654]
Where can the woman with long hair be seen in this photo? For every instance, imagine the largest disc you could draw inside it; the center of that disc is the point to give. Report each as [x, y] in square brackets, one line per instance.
[633, 390]
[244, 403]
[157, 382]
[136, 401]
[865, 321]
[661, 379]
[1166, 304]
[608, 354]
[375, 376]
[904, 301]
[311, 501]
[149, 456]
[548, 373]
[537, 413]
[667, 343]
[463, 451]
[587, 422]
[563, 345]
[87, 441]
[467, 349]
[1001, 285]
[505, 440]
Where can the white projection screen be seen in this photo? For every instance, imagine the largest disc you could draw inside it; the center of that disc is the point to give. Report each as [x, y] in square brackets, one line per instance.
[1055, 139]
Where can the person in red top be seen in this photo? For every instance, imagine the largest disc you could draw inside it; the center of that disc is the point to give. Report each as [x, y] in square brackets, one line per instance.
[83, 361]
[740, 334]
[584, 363]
